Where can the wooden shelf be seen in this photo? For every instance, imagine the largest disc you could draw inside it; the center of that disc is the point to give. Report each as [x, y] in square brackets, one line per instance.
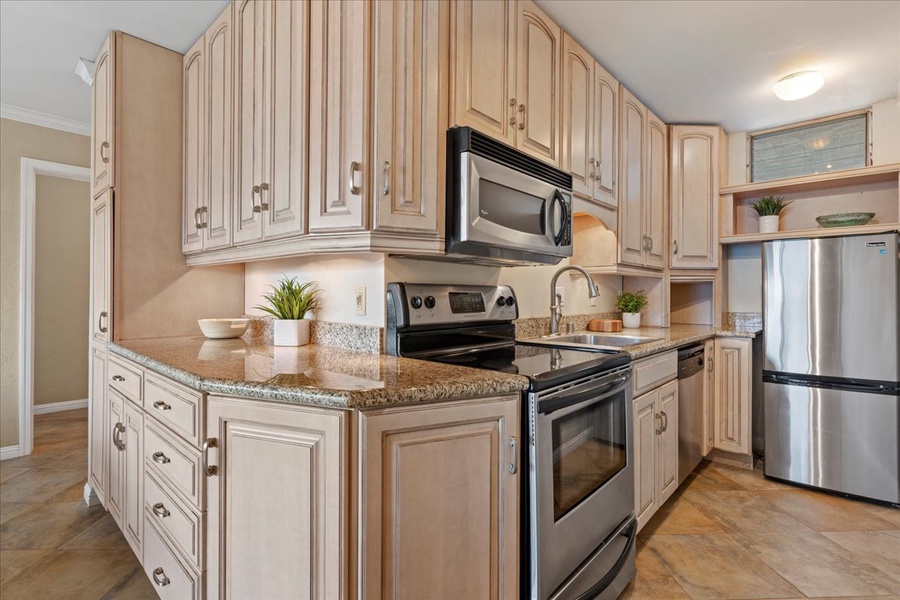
[811, 183]
[745, 238]
[621, 271]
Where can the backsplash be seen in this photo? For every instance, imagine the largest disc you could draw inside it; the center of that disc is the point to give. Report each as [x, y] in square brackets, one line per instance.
[535, 326]
[360, 338]
[743, 320]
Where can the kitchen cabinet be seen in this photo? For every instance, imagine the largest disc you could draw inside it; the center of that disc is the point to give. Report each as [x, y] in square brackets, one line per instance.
[101, 267]
[132, 436]
[194, 151]
[589, 125]
[506, 61]
[439, 481]
[103, 131]
[98, 453]
[695, 152]
[709, 396]
[656, 206]
[115, 491]
[733, 365]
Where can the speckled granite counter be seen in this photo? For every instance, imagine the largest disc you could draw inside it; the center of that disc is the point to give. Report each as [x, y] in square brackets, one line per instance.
[313, 375]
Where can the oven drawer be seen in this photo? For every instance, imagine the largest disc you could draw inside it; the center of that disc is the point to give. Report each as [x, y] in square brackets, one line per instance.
[183, 526]
[128, 380]
[178, 407]
[653, 371]
[176, 463]
[170, 577]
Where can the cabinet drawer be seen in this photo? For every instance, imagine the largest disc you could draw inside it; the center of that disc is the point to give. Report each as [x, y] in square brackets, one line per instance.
[126, 379]
[176, 463]
[182, 525]
[174, 405]
[654, 371]
[170, 577]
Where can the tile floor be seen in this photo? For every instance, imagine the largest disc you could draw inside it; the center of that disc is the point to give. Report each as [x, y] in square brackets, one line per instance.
[727, 533]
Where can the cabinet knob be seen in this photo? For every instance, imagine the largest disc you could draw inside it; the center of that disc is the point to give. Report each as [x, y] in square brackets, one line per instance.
[160, 510]
[118, 378]
[160, 405]
[159, 457]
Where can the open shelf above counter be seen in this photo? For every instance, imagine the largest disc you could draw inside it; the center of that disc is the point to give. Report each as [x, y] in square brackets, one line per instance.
[745, 238]
[810, 183]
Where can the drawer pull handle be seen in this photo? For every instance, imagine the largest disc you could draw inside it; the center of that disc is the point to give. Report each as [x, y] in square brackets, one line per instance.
[205, 467]
[665, 418]
[513, 466]
[159, 577]
[354, 169]
[160, 510]
[160, 458]
[118, 428]
[160, 405]
[118, 378]
[104, 156]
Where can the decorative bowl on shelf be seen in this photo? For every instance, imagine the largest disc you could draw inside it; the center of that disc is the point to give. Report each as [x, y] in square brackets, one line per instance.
[845, 219]
[218, 329]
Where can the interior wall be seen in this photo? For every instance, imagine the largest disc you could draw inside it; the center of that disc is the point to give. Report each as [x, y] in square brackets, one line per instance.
[61, 282]
[19, 140]
[744, 264]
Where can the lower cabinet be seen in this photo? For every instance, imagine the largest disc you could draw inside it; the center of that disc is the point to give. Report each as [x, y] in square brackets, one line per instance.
[99, 438]
[655, 449]
[709, 397]
[133, 477]
[115, 476]
[732, 381]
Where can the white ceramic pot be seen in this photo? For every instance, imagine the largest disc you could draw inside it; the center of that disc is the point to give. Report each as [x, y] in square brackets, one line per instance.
[768, 224]
[289, 332]
[631, 320]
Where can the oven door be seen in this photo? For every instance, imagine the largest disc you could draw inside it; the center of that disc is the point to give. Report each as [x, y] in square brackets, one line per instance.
[581, 475]
[505, 208]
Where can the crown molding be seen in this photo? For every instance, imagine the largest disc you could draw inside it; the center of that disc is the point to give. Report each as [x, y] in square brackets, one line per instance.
[34, 117]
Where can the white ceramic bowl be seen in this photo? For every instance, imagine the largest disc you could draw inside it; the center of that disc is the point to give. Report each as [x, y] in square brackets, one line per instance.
[223, 328]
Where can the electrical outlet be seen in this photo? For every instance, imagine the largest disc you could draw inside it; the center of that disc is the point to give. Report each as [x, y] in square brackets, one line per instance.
[561, 293]
[361, 300]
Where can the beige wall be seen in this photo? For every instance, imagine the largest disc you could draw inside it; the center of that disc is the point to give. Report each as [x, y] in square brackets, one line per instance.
[61, 282]
[19, 140]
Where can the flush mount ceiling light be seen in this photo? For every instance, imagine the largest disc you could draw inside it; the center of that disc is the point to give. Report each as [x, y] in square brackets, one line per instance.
[799, 85]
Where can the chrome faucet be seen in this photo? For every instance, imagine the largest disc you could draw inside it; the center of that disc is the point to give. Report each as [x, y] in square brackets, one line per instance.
[556, 302]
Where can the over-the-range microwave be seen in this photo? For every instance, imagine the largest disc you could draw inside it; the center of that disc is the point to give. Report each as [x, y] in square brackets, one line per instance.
[503, 206]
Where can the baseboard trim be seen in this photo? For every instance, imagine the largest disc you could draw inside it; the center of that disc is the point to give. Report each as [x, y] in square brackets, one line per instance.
[7, 452]
[40, 409]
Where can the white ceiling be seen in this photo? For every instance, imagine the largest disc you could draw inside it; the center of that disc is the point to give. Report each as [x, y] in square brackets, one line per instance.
[690, 62]
[716, 62]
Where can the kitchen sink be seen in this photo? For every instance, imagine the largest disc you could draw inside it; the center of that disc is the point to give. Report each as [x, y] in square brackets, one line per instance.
[588, 339]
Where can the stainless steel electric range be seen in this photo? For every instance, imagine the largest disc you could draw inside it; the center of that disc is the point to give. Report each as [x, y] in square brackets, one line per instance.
[578, 525]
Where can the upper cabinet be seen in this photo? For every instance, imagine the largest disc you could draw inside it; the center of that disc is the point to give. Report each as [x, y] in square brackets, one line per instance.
[656, 208]
[589, 125]
[694, 196]
[103, 138]
[505, 74]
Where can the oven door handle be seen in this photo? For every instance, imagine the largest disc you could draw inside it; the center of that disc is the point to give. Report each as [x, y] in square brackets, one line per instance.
[552, 405]
[601, 585]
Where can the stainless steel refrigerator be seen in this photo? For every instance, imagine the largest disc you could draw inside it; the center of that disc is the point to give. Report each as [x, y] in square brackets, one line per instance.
[832, 363]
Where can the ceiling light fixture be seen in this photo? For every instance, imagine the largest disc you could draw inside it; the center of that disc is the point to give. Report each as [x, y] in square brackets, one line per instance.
[798, 85]
[85, 70]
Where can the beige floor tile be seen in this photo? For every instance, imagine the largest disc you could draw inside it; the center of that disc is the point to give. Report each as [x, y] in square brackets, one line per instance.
[73, 493]
[880, 549]
[737, 511]
[104, 533]
[8, 510]
[752, 480]
[13, 562]
[136, 586]
[889, 514]
[40, 484]
[48, 525]
[677, 516]
[817, 566]
[7, 472]
[67, 574]
[824, 512]
[652, 581]
[706, 478]
[716, 566]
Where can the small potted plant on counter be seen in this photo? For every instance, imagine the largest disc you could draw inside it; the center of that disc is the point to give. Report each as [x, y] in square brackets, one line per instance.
[289, 303]
[769, 210]
[631, 304]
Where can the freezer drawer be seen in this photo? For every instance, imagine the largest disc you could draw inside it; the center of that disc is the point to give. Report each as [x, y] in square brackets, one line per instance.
[833, 439]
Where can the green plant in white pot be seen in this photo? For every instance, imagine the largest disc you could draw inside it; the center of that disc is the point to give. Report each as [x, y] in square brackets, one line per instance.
[631, 304]
[769, 210]
[289, 302]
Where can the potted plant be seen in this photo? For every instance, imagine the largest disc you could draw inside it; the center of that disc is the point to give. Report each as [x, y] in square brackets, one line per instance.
[631, 304]
[289, 303]
[769, 210]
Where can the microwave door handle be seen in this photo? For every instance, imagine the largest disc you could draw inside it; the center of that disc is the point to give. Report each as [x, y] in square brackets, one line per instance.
[561, 234]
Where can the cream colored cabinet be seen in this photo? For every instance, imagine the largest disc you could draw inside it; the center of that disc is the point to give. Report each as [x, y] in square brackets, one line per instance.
[440, 503]
[695, 152]
[656, 207]
[194, 151]
[115, 491]
[270, 75]
[99, 434]
[589, 117]
[655, 420]
[101, 267]
[410, 121]
[103, 150]
[709, 395]
[733, 365]
[505, 73]
[276, 500]
[132, 436]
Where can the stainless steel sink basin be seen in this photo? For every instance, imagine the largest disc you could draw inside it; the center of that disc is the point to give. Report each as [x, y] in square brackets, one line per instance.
[588, 339]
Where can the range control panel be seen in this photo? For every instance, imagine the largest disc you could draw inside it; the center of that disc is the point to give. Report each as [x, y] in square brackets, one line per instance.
[411, 304]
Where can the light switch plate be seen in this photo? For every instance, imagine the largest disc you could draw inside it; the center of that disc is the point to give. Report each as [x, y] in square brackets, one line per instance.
[361, 300]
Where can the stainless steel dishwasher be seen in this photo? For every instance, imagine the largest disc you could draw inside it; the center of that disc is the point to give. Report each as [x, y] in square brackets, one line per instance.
[690, 409]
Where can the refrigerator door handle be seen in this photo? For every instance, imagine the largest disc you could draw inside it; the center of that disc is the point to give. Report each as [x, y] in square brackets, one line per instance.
[871, 387]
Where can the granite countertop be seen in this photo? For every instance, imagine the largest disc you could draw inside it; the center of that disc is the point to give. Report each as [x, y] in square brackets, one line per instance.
[680, 335]
[312, 375]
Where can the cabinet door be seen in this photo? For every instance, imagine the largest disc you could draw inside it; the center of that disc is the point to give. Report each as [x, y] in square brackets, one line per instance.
[537, 83]
[411, 40]
[193, 199]
[732, 376]
[646, 425]
[218, 124]
[656, 213]
[284, 200]
[632, 178]
[695, 195]
[667, 441]
[101, 267]
[115, 491]
[103, 131]
[483, 67]
[578, 157]
[440, 506]
[606, 131]
[250, 114]
[99, 431]
[709, 397]
[276, 520]
[133, 477]
[338, 113]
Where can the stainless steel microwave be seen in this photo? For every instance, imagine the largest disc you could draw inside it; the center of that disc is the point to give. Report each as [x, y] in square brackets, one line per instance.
[503, 206]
